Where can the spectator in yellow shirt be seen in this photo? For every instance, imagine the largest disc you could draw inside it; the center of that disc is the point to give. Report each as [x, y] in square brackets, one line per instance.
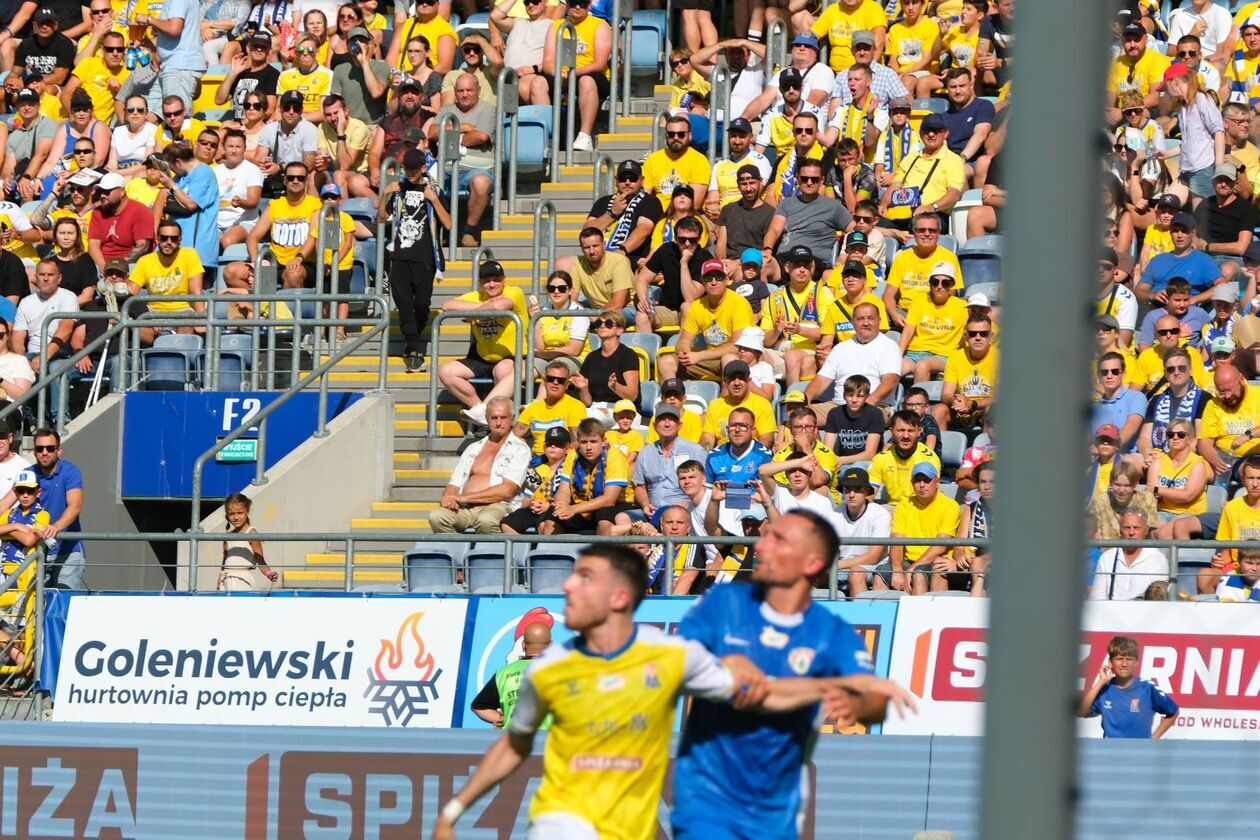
[99, 77]
[717, 317]
[924, 515]
[840, 20]
[934, 327]
[170, 270]
[556, 409]
[1136, 68]
[970, 379]
[1231, 421]
[677, 164]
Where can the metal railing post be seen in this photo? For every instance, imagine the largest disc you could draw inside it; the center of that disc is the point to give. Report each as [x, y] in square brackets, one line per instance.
[619, 43]
[548, 206]
[669, 26]
[627, 38]
[720, 79]
[668, 566]
[430, 417]
[658, 128]
[566, 59]
[349, 564]
[776, 48]
[329, 228]
[1174, 571]
[602, 180]
[507, 105]
[483, 253]
[448, 153]
[389, 174]
[527, 375]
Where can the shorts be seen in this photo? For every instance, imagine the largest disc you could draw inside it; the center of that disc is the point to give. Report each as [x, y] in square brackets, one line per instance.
[481, 369]
[917, 356]
[774, 358]
[587, 523]
[602, 85]
[343, 278]
[523, 520]
[694, 5]
[710, 369]
[1198, 181]
[560, 826]
[1211, 523]
[246, 224]
[663, 316]
[881, 570]
[466, 174]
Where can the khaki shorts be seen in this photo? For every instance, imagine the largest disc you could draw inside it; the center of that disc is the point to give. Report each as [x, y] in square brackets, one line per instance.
[774, 358]
[709, 369]
[665, 317]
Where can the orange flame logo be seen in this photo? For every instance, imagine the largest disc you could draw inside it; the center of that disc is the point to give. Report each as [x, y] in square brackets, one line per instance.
[392, 654]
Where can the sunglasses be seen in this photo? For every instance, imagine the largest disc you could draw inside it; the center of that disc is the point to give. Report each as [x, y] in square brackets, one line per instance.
[140, 110]
[1131, 112]
[1176, 369]
[558, 289]
[305, 51]
[932, 131]
[172, 114]
[941, 283]
[96, 12]
[627, 179]
[114, 49]
[1172, 331]
[254, 106]
[802, 130]
[347, 17]
[679, 62]
[864, 219]
[291, 107]
[1187, 53]
[687, 240]
[1110, 371]
[715, 278]
[295, 178]
[209, 144]
[977, 333]
[167, 237]
[600, 323]
[25, 491]
[677, 135]
[472, 48]
[257, 45]
[930, 230]
[556, 380]
[1179, 435]
[87, 151]
[46, 447]
[809, 179]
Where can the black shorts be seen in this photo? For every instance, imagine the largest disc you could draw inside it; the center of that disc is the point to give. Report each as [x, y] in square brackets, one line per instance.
[343, 279]
[702, 5]
[602, 85]
[587, 523]
[523, 520]
[481, 369]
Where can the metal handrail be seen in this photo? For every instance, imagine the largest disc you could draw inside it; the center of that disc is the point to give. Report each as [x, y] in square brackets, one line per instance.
[602, 180]
[527, 375]
[720, 91]
[507, 103]
[565, 40]
[445, 118]
[618, 59]
[658, 127]
[430, 417]
[776, 47]
[549, 206]
[32, 627]
[389, 174]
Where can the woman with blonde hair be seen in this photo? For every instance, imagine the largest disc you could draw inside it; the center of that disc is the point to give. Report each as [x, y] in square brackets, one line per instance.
[1178, 478]
[1202, 131]
[1122, 494]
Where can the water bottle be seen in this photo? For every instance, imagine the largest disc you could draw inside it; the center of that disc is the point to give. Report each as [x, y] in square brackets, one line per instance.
[130, 60]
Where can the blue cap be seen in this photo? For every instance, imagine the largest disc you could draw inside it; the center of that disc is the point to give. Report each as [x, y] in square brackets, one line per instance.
[926, 469]
[750, 256]
[1186, 220]
[330, 190]
[806, 38]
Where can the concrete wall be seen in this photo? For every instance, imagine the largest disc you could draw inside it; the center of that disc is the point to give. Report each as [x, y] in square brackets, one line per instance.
[320, 486]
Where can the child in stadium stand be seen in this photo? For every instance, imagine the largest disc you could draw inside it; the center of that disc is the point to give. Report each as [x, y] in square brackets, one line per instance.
[241, 556]
[1126, 703]
[613, 691]
[1243, 585]
[19, 523]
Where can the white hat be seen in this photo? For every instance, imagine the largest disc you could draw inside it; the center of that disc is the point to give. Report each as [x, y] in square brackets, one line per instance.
[979, 299]
[111, 181]
[751, 338]
[944, 268]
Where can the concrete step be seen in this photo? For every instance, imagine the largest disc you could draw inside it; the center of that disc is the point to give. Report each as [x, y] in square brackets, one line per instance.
[525, 221]
[565, 203]
[393, 509]
[421, 478]
[391, 524]
[336, 578]
[361, 559]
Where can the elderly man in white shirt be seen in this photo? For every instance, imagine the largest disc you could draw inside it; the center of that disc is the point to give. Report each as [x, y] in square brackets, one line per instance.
[486, 479]
[1124, 573]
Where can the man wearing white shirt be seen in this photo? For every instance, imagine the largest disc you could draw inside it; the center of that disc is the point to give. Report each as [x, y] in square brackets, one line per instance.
[798, 493]
[869, 353]
[11, 463]
[859, 517]
[744, 59]
[240, 190]
[28, 327]
[1206, 20]
[486, 479]
[1124, 573]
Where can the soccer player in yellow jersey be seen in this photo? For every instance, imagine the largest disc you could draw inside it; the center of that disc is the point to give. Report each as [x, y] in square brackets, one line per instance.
[612, 692]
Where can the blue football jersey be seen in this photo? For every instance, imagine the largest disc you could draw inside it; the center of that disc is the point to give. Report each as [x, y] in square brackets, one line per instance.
[723, 465]
[1129, 712]
[741, 772]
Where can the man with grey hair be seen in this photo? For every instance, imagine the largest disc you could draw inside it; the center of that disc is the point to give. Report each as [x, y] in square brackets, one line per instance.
[486, 479]
[1240, 152]
[1123, 574]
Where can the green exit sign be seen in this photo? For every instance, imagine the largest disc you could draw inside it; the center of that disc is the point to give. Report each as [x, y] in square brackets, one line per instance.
[238, 451]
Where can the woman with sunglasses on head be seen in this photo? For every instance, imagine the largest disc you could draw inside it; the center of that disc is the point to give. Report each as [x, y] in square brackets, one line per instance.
[348, 17]
[427, 22]
[558, 338]
[133, 141]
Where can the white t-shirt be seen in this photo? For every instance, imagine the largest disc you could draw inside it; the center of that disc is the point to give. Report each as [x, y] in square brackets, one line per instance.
[1218, 20]
[728, 519]
[128, 146]
[1126, 307]
[875, 521]
[876, 358]
[9, 471]
[32, 311]
[748, 86]
[235, 182]
[1131, 581]
[526, 42]
[785, 502]
[761, 374]
[819, 77]
[15, 367]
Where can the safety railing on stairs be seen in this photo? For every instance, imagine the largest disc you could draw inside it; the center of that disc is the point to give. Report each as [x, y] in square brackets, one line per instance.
[507, 106]
[776, 48]
[21, 649]
[545, 207]
[619, 60]
[430, 417]
[603, 178]
[720, 80]
[449, 153]
[483, 253]
[658, 127]
[527, 375]
[566, 41]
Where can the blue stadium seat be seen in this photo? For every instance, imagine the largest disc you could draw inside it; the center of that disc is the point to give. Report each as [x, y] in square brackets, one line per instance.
[534, 138]
[169, 364]
[483, 571]
[548, 569]
[360, 209]
[933, 389]
[993, 291]
[236, 353]
[982, 439]
[981, 259]
[948, 242]
[647, 43]
[431, 567]
[703, 390]
[953, 445]
[234, 253]
[649, 396]
[932, 105]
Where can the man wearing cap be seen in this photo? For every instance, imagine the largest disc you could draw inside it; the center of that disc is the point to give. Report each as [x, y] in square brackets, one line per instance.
[691, 424]
[290, 139]
[717, 317]
[885, 82]
[736, 377]
[250, 71]
[1184, 260]
[524, 45]
[627, 215]
[1136, 68]
[120, 228]
[837, 325]
[930, 182]
[29, 145]
[308, 78]
[390, 137]
[1225, 316]
[1113, 298]
[1116, 403]
[792, 317]
[604, 279]
[777, 123]
[593, 481]
[724, 182]
[1225, 222]
[856, 517]
[45, 50]
[22, 523]
[675, 267]
[364, 81]
[742, 224]
[806, 217]
[100, 77]
[925, 514]
[934, 327]
[970, 384]
[840, 22]
[676, 164]
[1192, 319]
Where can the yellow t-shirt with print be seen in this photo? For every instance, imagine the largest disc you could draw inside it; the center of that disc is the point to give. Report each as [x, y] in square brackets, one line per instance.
[893, 473]
[691, 428]
[1144, 75]
[975, 380]
[719, 411]
[679, 86]
[192, 130]
[838, 317]
[913, 519]
[909, 274]
[160, 279]
[629, 443]
[556, 332]
[1223, 425]
[433, 30]
[661, 173]
[808, 308]
[346, 225]
[1239, 521]
[908, 45]
[937, 329]
[961, 45]
[1160, 241]
[291, 225]
[837, 24]
[718, 325]
[1172, 477]
[495, 338]
[313, 86]
[935, 175]
[94, 79]
[541, 418]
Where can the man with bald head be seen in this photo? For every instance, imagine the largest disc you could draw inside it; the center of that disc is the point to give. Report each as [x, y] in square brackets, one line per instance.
[476, 163]
[496, 700]
[1231, 423]
[1150, 361]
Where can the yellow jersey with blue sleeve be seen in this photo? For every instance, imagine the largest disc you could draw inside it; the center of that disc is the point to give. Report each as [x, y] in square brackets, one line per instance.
[612, 716]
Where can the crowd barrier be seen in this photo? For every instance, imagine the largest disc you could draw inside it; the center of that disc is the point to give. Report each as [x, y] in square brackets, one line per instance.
[332, 659]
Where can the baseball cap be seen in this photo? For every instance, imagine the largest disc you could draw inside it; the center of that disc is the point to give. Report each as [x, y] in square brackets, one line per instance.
[735, 368]
[412, 136]
[979, 299]
[794, 398]
[684, 189]
[1168, 201]
[751, 338]
[409, 82]
[944, 269]
[557, 436]
[26, 95]
[863, 37]
[1108, 321]
[750, 170]
[1186, 220]
[798, 254]
[751, 256]
[331, 190]
[1225, 170]
[667, 410]
[490, 268]
[111, 181]
[933, 122]
[856, 237]
[624, 405]
[673, 386]
[629, 169]
[44, 13]
[900, 103]
[290, 98]
[116, 266]
[413, 159]
[741, 125]
[1221, 344]
[809, 39]
[1226, 293]
[262, 36]
[1109, 255]
[712, 267]
[926, 469]
[26, 478]
[358, 32]
[1133, 29]
[1107, 430]
[31, 76]
[1174, 71]
[856, 477]
[790, 77]
[853, 268]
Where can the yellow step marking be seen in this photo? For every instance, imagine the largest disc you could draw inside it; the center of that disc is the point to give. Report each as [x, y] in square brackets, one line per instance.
[389, 524]
[364, 559]
[339, 576]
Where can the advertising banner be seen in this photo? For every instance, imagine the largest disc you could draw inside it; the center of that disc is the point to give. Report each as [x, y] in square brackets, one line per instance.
[1206, 656]
[281, 661]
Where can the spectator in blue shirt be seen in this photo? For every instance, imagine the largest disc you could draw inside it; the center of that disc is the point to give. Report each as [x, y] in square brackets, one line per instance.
[1117, 404]
[192, 200]
[1177, 303]
[61, 494]
[1198, 269]
[1126, 703]
[178, 47]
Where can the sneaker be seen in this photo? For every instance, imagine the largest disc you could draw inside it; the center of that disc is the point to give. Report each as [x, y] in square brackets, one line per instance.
[415, 362]
[307, 343]
[475, 415]
[583, 143]
[341, 339]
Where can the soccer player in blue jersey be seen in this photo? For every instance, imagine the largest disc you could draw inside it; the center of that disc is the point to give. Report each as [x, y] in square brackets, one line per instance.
[1126, 703]
[739, 771]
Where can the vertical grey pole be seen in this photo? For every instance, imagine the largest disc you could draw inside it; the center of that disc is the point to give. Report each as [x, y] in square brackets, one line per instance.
[614, 68]
[1031, 689]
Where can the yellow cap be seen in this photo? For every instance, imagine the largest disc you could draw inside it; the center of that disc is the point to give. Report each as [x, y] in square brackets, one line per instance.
[625, 405]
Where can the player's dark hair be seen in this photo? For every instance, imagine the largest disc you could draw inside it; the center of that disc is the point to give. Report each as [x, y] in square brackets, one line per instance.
[588, 232]
[689, 466]
[688, 223]
[590, 427]
[823, 531]
[627, 563]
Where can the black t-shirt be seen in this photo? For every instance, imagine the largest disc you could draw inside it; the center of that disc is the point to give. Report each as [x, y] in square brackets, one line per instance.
[667, 262]
[850, 431]
[413, 228]
[13, 282]
[78, 274]
[744, 228]
[640, 206]
[597, 369]
[264, 80]
[59, 52]
[1223, 224]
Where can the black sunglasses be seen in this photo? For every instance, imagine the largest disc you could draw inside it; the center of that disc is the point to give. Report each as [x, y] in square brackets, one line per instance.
[295, 178]
[556, 380]
[114, 49]
[677, 134]
[809, 179]
[141, 110]
[558, 288]
[941, 283]
[169, 114]
[603, 322]
[1172, 331]
[291, 107]
[687, 240]
[166, 237]
[866, 220]
[977, 333]
[45, 447]
[1179, 435]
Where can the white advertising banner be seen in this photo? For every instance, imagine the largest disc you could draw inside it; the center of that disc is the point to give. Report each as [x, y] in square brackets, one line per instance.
[1206, 656]
[275, 661]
